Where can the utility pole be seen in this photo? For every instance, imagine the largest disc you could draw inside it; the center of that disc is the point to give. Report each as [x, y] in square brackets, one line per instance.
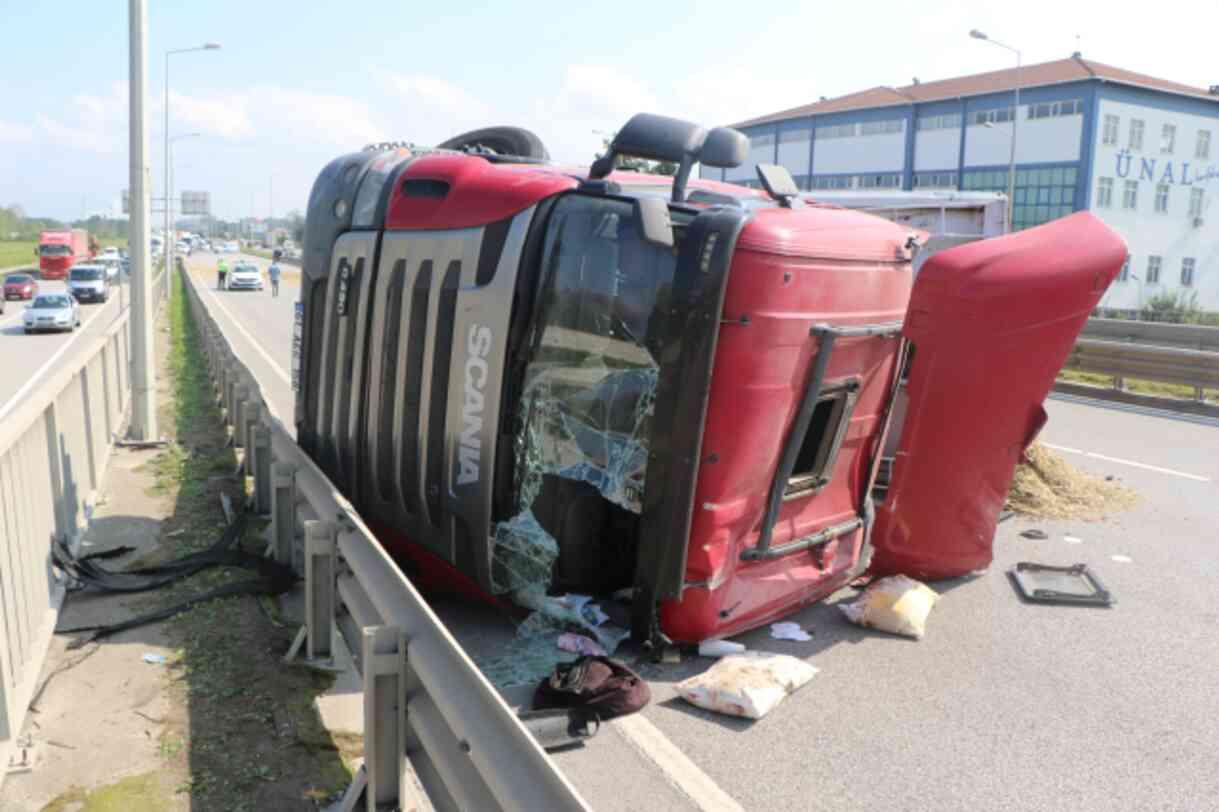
[143, 367]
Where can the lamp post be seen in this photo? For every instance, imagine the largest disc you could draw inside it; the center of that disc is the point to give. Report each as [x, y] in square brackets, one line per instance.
[169, 243]
[143, 362]
[1011, 164]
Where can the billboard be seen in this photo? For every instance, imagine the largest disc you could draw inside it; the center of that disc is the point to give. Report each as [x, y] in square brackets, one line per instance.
[196, 203]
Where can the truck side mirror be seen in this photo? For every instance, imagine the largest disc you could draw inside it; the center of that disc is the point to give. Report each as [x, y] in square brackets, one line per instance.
[654, 222]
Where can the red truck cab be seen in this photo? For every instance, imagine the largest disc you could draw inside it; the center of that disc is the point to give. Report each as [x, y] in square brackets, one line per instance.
[533, 379]
[59, 250]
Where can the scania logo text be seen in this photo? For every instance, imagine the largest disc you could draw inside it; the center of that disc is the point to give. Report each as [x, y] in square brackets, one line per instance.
[469, 449]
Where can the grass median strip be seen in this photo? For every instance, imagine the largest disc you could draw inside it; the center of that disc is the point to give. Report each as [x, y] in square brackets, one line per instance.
[244, 733]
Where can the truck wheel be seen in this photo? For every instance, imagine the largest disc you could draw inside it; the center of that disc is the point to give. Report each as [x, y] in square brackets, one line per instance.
[514, 141]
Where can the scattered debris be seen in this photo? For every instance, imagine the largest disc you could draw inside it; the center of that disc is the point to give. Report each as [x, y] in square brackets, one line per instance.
[1075, 585]
[593, 687]
[579, 644]
[226, 503]
[750, 684]
[897, 604]
[1122, 559]
[594, 614]
[155, 659]
[789, 631]
[1035, 534]
[1048, 487]
[719, 648]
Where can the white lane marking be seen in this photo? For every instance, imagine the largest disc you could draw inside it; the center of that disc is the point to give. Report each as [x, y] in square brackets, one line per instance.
[1072, 539]
[677, 768]
[1131, 463]
[253, 342]
[24, 390]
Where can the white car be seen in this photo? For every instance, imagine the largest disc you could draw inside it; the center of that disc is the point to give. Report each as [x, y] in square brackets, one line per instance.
[110, 253]
[231, 247]
[245, 276]
[52, 312]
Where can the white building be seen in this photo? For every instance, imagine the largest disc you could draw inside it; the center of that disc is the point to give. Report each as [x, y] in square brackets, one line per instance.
[1140, 152]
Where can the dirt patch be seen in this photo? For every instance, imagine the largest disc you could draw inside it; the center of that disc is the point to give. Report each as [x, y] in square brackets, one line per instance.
[1048, 487]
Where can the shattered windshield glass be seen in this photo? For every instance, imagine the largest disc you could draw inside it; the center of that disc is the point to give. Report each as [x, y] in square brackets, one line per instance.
[589, 387]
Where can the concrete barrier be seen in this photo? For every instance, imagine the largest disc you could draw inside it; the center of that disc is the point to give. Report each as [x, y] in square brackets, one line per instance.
[54, 447]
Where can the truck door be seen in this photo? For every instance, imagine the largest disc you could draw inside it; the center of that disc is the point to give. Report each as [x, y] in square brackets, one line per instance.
[991, 324]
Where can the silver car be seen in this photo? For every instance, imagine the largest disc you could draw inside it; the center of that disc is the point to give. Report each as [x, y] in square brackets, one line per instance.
[52, 312]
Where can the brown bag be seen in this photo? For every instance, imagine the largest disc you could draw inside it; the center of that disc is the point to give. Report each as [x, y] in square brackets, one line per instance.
[593, 688]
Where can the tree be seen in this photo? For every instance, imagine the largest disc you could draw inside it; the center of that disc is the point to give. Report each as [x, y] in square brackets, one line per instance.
[632, 164]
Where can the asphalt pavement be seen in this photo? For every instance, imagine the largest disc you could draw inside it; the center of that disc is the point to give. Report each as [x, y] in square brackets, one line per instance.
[25, 359]
[1002, 706]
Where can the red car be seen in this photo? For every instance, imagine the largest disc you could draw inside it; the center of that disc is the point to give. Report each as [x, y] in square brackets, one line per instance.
[18, 286]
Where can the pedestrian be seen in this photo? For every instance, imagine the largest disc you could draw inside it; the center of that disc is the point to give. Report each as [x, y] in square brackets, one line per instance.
[222, 271]
[273, 274]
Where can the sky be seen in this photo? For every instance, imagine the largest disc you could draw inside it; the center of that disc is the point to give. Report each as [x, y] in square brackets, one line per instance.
[296, 84]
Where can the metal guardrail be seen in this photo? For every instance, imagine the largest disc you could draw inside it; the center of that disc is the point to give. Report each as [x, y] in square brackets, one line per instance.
[1180, 354]
[54, 446]
[431, 720]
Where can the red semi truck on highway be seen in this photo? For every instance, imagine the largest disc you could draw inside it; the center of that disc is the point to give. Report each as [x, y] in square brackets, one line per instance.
[59, 250]
[531, 378]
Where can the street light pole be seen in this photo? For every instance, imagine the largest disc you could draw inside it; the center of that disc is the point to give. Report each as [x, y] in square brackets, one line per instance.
[1011, 164]
[143, 368]
[169, 207]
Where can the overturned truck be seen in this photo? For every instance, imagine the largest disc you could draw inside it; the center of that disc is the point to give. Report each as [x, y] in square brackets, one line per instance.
[530, 378]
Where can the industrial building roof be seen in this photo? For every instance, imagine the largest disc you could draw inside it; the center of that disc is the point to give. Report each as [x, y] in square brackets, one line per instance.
[1073, 69]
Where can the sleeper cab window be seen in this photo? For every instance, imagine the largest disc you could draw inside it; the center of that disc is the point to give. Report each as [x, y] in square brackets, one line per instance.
[821, 443]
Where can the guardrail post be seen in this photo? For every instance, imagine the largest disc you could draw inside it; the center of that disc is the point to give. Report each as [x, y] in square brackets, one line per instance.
[250, 416]
[230, 391]
[262, 469]
[241, 394]
[384, 661]
[283, 511]
[316, 635]
[1119, 383]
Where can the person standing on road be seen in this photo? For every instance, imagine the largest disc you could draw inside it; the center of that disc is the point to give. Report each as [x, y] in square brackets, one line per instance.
[273, 275]
[222, 271]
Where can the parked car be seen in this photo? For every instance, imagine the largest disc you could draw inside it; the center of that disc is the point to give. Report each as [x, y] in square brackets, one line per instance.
[18, 286]
[52, 312]
[245, 276]
[89, 283]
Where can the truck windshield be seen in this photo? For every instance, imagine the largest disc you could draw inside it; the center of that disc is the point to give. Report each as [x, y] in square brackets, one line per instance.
[54, 250]
[85, 274]
[590, 374]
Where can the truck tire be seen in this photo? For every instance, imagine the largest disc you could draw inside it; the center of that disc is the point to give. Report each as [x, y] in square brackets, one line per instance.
[514, 141]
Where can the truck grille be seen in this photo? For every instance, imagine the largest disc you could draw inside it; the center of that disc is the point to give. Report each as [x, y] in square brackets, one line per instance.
[386, 397]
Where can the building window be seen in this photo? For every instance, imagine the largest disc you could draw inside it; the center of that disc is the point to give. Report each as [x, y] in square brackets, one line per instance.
[1040, 195]
[880, 181]
[1130, 196]
[1054, 109]
[1136, 133]
[1124, 274]
[1168, 139]
[1187, 272]
[837, 131]
[895, 125]
[1111, 125]
[1162, 198]
[1203, 149]
[1195, 203]
[998, 116]
[945, 121]
[1104, 193]
[1153, 269]
[935, 180]
[832, 182]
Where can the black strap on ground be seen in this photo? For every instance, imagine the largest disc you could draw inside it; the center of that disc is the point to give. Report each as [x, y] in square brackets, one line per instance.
[273, 579]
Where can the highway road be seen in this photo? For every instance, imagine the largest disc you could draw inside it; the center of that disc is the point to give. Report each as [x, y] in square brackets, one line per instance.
[1002, 706]
[24, 360]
